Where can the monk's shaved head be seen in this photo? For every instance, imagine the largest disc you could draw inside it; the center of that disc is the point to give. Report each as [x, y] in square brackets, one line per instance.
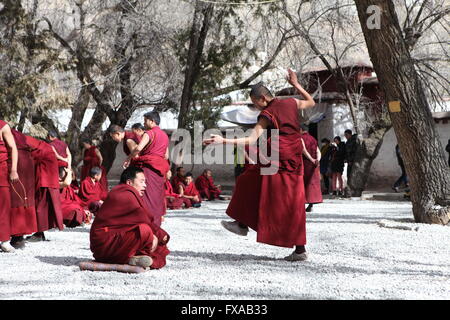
[130, 174]
[115, 129]
[259, 90]
[95, 171]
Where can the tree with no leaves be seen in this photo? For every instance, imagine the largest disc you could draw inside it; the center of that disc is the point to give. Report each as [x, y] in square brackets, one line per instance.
[410, 113]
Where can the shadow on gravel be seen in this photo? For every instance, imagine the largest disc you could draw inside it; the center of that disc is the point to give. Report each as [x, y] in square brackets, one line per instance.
[62, 261]
[221, 256]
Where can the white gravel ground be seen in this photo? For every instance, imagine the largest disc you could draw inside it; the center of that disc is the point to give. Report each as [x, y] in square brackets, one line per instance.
[355, 250]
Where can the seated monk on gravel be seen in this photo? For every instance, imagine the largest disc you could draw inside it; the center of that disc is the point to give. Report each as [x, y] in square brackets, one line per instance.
[190, 192]
[73, 212]
[91, 190]
[205, 185]
[123, 231]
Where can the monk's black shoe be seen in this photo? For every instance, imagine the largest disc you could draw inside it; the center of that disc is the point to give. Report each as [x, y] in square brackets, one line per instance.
[37, 237]
[17, 242]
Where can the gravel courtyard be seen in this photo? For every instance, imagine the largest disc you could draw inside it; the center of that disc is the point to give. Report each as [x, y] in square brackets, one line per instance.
[358, 249]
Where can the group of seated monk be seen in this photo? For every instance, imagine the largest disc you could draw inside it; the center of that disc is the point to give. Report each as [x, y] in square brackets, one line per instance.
[181, 190]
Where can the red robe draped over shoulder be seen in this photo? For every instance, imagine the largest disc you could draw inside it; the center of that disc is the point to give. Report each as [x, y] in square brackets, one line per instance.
[91, 191]
[72, 209]
[124, 228]
[173, 200]
[23, 206]
[90, 160]
[48, 202]
[129, 135]
[5, 196]
[311, 177]
[274, 205]
[206, 188]
[152, 160]
[61, 148]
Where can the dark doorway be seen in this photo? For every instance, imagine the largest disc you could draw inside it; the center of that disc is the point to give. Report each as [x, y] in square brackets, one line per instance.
[312, 130]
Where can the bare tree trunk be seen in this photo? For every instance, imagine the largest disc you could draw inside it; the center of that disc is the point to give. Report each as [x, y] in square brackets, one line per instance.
[200, 26]
[413, 123]
[366, 152]
[74, 129]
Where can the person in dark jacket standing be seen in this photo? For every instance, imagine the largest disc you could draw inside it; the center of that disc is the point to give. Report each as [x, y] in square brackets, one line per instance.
[350, 149]
[337, 166]
[325, 152]
[403, 178]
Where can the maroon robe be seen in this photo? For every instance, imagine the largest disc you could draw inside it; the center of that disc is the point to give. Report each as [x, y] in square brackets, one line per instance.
[5, 197]
[48, 202]
[311, 176]
[72, 209]
[206, 188]
[91, 160]
[191, 190]
[124, 228]
[274, 205]
[130, 135]
[61, 148]
[152, 161]
[173, 200]
[176, 182]
[23, 206]
[91, 193]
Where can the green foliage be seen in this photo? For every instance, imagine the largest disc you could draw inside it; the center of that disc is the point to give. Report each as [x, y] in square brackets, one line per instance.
[26, 63]
[225, 55]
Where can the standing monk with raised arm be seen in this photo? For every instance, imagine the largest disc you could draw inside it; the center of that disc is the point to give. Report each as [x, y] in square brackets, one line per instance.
[61, 150]
[6, 142]
[273, 205]
[151, 154]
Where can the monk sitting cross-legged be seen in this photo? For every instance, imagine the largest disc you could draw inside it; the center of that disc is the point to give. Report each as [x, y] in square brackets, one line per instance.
[123, 231]
[174, 200]
[189, 191]
[71, 205]
[91, 191]
[205, 185]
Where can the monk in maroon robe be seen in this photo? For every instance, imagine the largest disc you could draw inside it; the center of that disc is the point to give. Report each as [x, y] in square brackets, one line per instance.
[179, 178]
[61, 150]
[311, 176]
[74, 214]
[205, 185]
[123, 230]
[188, 191]
[93, 158]
[48, 202]
[272, 201]
[151, 154]
[91, 191]
[23, 207]
[173, 200]
[6, 142]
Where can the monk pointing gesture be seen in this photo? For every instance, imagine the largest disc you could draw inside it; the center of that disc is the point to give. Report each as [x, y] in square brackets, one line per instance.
[273, 205]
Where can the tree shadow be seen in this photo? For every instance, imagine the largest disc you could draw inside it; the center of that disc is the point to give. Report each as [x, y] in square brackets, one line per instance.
[62, 261]
[222, 256]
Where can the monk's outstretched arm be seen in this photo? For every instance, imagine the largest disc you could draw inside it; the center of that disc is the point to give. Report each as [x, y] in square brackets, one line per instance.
[301, 104]
[258, 130]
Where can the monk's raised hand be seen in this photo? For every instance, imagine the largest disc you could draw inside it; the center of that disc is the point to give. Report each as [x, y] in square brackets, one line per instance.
[13, 176]
[292, 77]
[126, 164]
